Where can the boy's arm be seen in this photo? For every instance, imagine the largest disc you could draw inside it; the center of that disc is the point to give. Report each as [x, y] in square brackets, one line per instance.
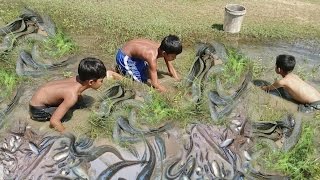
[55, 120]
[114, 75]
[154, 77]
[273, 86]
[172, 71]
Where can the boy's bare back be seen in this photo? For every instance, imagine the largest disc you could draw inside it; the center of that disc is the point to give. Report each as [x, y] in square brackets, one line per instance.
[58, 90]
[143, 49]
[299, 89]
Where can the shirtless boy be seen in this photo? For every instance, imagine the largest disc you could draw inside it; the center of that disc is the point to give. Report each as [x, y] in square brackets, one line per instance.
[52, 100]
[299, 90]
[138, 58]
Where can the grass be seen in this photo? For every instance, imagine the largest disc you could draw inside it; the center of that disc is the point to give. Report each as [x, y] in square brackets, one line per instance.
[235, 67]
[8, 82]
[191, 20]
[59, 45]
[300, 162]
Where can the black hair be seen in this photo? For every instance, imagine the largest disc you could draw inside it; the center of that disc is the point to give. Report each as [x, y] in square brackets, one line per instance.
[171, 45]
[286, 62]
[91, 69]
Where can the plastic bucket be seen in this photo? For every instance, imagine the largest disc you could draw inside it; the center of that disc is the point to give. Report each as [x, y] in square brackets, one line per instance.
[233, 18]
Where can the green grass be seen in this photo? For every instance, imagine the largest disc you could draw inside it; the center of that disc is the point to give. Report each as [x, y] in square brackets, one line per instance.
[191, 20]
[300, 162]
[8, 82]
[59, 45]
[235, 67]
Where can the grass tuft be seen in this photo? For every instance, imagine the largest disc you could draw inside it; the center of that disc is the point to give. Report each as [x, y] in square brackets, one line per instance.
[8, 82]
[300, 162]
[59, 45]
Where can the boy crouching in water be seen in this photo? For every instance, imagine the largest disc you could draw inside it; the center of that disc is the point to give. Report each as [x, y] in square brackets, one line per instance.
[52, 100]
[299, 90]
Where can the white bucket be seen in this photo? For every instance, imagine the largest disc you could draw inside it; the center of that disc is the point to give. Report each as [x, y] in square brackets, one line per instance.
[233, 18]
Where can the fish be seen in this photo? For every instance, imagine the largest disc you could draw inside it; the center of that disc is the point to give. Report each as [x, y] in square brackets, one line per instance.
[226, 143]
[106, 106]
[114, 92]
[133, 151]
[215, 169]
[189, 167]
[94, 153]
[216, 99]
[162, 151]
[61, 155]
[80, 172]
[161, 146]
[247, 155]
[291, 141]
[34, 148]
[12, 104]
[17, 25]
[147, 171]
[114, 168]
[169, 174]
[196, 68]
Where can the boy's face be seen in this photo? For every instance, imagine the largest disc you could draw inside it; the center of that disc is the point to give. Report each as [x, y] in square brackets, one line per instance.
[169, 57]
[96, 84]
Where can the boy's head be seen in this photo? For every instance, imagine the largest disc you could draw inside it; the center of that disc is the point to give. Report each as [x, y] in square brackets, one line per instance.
[171, 47]
[92, 70]
[285, 63]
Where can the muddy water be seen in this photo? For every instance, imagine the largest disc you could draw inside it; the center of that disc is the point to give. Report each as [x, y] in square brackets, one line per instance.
[307, 57]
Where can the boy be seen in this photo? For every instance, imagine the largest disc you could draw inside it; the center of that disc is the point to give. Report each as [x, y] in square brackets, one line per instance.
[299, 90]
[139, 57]
[52, 100]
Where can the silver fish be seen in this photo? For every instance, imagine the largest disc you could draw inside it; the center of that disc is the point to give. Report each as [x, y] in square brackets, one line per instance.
[60, 155]
[80, 172]
[11, 142]
[236, 122]
[226, 143]
[216, 169]
[33, 148]
[5, 145]
[247, 155]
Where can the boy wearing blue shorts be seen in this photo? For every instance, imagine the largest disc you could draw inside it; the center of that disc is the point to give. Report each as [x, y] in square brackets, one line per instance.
[138, 59]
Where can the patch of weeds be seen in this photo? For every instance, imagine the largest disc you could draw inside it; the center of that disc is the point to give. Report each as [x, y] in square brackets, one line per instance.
[258, 68]
[157, 109]
[270, 113]
[236, 65]
[59, 45]
[300, 162]
[100, 126]
[8, 82]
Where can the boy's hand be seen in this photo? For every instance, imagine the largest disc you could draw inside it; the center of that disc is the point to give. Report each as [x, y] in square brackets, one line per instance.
[161, 88]
[265, 88]
[57, 126]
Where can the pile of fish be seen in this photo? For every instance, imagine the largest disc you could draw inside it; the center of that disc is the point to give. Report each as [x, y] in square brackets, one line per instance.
[134, 134]
[288, 130]
[28, 23]
[114, 95]
[29, 64]
[217, 99]
[26, 154]
[202, 67]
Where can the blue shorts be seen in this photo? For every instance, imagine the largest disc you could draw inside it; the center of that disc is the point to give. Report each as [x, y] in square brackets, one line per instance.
[134, 67]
